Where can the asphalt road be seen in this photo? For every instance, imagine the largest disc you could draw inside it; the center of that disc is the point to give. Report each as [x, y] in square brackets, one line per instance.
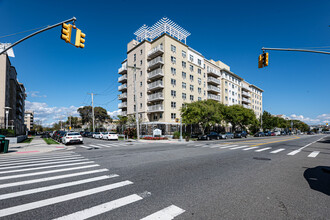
[255, 178]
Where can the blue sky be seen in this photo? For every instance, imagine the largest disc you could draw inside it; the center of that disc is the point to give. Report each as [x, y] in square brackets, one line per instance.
[58, 76]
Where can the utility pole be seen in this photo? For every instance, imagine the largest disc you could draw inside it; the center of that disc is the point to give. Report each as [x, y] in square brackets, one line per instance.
[136, 104]
[92, 94]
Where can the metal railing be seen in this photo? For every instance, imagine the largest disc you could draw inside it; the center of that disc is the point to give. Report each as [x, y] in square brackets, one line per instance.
[155, 61]
[214, 71]
[159, 48]
[123, 77]
[246, 94]
[153, 108]
[123, 68]
[155, 73]
[123, 95]
[155, 96]
[122, 105]
[213, 88]
[158, 83]
[214, 97]
[124, 86]
[212, 79]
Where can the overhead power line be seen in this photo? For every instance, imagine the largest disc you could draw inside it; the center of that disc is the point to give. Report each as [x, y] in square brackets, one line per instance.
[8, 35]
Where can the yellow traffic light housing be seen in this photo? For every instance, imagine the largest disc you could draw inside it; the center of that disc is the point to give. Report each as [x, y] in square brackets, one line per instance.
[260, 61]
[80, 39]
[66, 32]
[263, 60]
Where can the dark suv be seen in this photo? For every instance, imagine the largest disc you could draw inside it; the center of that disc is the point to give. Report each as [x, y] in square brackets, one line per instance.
[240, 134]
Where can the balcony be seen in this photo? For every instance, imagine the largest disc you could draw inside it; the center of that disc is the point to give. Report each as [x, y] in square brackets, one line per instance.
[123, 96]
[124, 113]
[213, 80]
[157, 73]
[155, 52]
[122, 105]
[155, 97]
[155, 63]
[211, 71]
[246, 94]
[246, 106]
[246, 100]
[213, 97]
[155, 108]
[122, 87]
[123, 78]
[246, 88]
[211, 88]
[123, 69]
[155, 85]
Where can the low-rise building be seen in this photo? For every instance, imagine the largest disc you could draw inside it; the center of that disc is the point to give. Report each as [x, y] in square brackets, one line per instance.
[28, 119]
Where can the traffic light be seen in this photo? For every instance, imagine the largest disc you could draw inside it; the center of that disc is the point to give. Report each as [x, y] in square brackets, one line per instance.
[266, 59]
[263, 60]
[80, 39]
[66, 32]
[260, 61]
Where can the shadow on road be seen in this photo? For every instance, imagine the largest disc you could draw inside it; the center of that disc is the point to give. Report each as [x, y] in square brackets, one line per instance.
[318, 178]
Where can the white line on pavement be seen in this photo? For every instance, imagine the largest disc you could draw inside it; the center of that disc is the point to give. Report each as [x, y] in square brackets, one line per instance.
[314, 154]
[83, 146]
[250, 148]
[234, 148]
[26, 182]
[47, 188]
[58, 199]
[18, 159]
[228, 146]
[263, 149]
[103, 145]
[10, 166]
[310, 144]
[293, 152]
[49, 154]
[46, 172]
[165, 214]
[95, 146]
[105, 207]
[47, 167]
[42, 161]
[278, 150]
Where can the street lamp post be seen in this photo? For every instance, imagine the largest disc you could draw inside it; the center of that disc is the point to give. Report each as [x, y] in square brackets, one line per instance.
[181, 129]
[7, 115]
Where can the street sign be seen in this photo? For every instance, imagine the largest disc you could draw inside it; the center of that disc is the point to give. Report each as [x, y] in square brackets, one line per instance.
[157, 132]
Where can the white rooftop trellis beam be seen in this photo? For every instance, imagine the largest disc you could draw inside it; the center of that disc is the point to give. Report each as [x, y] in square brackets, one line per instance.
[164, 25]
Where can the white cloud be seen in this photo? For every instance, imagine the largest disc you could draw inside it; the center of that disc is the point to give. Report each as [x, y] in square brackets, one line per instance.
[321, 119]
[114, 114]
[50, 115]
[35, 94]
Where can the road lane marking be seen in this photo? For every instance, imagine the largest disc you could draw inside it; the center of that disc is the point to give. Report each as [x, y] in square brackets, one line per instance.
[10, 166]
[58, 199]
[228, 146]
[47, 188]
[50, 154]
[310, 144]
[275, 141]
[103, 145]
[95, 146]
[237, 147]
[105, 207]
[47, 172]
[26, 182]
[278, 150]
[165, 214]
[250, 148]
[42, 161]
[12, 160]
[314, 154]
[83, 146]
[293, 152]
[47, 167]
[263, 149]
[215, 146]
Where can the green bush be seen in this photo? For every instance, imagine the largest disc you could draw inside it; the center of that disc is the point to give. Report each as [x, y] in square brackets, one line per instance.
[176, 135]
[7, 132]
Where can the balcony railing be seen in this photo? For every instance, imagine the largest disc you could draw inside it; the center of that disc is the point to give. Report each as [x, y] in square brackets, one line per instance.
[155, 97]
[124, 113]
[246, 94]
[156, 74]
[156, 51]
[155, 108]
[123, 96]
[246, 106]
[246, 88]
[213, 80]
[122, 87]
[122, 69]
[213, 88]
[156, 85]
[246, 100]
[122, 78]
[214, 97]
[213, 71]
[155, 62]
[122, 105]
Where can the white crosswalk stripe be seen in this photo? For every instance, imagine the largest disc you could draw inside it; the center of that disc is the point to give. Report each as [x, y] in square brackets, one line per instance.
[293, 152]
[228, 146]
[18, 159]
[83, 146]
[314, 154]
[95, 146]
[41, 161]
[263, 149]
[165, 214]
[250, 148]
[276, 151]
[234, 148]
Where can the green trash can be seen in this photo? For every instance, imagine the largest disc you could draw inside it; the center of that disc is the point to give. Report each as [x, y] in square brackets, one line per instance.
[4, 144]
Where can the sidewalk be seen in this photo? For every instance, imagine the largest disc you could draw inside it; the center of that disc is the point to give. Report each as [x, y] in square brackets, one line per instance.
[37, 145]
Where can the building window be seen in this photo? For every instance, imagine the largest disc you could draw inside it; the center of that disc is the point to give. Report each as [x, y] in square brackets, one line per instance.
[226, 98]
[183, 85]
[173, 82]
[191, 78]
[184, 95]
[140, 94]
[184, 54]
[183, 64]
[199, 71]
[173, 60]
[135, 108]
[191, 88]
[140, 84]
[191, 58]
[226, 82]
[184, 75]
[140, 105]
[140, 73]
[204, 84]
[134, 57]
[173, 70]
[173, 104]
[173, 115]
[173, 48]
[226, 90]
[204, 93]
[199, 90]
[199, 81]
[140, 62]
[233, 86]
[173, 93]
[199, 99]
[191, 68]
[191, 98]
[233, 93]
[199, 62]
[160, 115]
[141, 52]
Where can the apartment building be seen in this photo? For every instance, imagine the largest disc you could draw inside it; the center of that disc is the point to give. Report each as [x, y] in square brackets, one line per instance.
[166, 73]
[12, 95]
[28, 119]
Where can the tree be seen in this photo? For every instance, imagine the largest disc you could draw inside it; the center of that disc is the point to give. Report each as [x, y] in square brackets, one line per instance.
[74, 121]
[237, 115]
[100, 114]
[85, 114]
[205, 113]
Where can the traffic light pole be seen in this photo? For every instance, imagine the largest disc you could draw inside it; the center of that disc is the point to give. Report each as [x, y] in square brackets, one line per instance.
[38, 32]
[298, 50]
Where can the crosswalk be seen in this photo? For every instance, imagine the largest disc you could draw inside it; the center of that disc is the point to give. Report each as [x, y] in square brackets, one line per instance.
[26, 183]
[107, 145]
[229, 146]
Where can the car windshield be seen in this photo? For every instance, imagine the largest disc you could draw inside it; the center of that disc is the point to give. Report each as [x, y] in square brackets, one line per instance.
[72, 134]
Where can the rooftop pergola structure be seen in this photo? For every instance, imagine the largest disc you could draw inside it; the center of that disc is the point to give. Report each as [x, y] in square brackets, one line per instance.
[164, 25]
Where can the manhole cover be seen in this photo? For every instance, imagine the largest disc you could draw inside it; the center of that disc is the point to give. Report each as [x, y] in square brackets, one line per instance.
[261, 158]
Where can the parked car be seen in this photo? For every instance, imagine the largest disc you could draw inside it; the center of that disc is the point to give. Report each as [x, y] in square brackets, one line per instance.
[230, 135]
[283, 133]
[72, 137]
[223, 136]
[60, 136]
[259, 134]
[96, 134]
[277, 133]
[110, 136]
[101, 134]
[268, 133]
[212, 135]
[272, 134]
[240, 134]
